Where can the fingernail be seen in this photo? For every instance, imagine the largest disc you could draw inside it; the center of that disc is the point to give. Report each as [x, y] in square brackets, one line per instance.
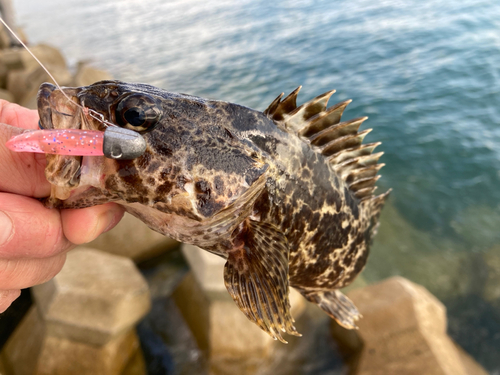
[6, 228]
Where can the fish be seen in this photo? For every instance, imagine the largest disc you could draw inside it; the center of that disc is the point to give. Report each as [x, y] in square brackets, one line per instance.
[286, 195]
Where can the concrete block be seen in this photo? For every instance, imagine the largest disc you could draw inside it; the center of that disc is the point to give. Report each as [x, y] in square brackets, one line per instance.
[403, 331]
[2, 367]
[86, 75]
[19, 58]
[83, 320]
[6, 95]
[95, 297]
[491, 290]
[32, 351]
[219, 327]
[4, 71]
[4, 37]
[23, 84]
[133, 239]
[208, 269]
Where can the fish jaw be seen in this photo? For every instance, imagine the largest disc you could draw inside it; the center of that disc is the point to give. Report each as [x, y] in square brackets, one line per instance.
[69, 175]
[58, 112]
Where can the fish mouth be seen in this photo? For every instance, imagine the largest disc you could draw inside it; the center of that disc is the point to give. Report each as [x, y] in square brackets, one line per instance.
[61, 109]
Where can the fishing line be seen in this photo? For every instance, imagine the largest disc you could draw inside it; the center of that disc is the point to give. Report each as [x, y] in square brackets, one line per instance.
[114, 143]
[38, 61]
[95, 115]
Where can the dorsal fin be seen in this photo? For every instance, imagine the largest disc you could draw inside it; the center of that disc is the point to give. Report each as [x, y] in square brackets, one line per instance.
[340, 142]
[279, 108]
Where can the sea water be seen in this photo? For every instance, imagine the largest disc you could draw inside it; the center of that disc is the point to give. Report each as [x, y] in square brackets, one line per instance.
[427, 73]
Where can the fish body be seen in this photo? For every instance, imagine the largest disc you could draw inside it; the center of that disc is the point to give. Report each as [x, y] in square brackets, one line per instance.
[285, 195]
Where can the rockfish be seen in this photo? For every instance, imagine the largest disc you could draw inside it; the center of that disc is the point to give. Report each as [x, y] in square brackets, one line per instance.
[285, 195]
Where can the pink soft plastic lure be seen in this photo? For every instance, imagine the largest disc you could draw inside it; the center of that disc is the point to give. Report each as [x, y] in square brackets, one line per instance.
[75, 142]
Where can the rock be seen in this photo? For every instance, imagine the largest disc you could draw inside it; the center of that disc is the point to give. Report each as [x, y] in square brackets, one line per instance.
[133, 239]
[491, 292]
[403, 331]
[207, 268]
[86, 75]
[83, 320]
[219, 327]
[20, 59]
[136, 365]
[470, 365]
[24, 83]
[3, 76]
[21, 74]
[2, 367]
[4, 37]
[95, 297]
[32, 351]
[6, 95]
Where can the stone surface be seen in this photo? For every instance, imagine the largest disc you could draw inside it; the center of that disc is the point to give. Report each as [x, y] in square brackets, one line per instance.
[133, 239]
[470, 365]
[86, 75]
[21, 74]
[32, 351]
[219, 327]
[2, 367]
[4, 37]
[95, 297]
[136, 365]
[6, 95]
[3, 76]
[491, 290]
[19, 58]
[24, 83]
[403, 331]
[207, 268]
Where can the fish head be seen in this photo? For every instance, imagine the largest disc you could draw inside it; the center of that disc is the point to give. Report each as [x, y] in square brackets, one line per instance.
[193, 165]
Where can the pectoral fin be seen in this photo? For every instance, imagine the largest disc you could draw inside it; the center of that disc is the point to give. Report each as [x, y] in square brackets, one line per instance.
[337, 305]
[256, 277]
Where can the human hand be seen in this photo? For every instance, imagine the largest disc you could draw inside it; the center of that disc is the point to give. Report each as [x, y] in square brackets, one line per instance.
[34, 239]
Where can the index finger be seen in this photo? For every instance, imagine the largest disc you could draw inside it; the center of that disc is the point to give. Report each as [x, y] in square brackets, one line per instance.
[15, 115]
[20, 173]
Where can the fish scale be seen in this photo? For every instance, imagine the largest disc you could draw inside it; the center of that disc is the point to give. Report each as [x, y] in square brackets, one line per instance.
[285, 195]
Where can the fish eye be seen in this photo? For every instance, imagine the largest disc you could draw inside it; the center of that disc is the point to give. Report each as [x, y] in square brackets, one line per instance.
[139, 112]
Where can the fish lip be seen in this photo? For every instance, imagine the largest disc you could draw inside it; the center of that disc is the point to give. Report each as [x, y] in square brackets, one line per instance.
[48, 105]
[59, 108]
[43, 104]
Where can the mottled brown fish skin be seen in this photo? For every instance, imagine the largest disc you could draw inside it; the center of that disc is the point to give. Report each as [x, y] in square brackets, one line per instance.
[284, 195]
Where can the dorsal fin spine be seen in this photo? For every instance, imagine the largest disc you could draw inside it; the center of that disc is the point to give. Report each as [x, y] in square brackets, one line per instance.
[365, 193]
[353, 152]
[336, 131]
[340, 142]
[345, 168]
[323, 120]
[364, 172]
[364, 183]
[272, 107]
[344, 142]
